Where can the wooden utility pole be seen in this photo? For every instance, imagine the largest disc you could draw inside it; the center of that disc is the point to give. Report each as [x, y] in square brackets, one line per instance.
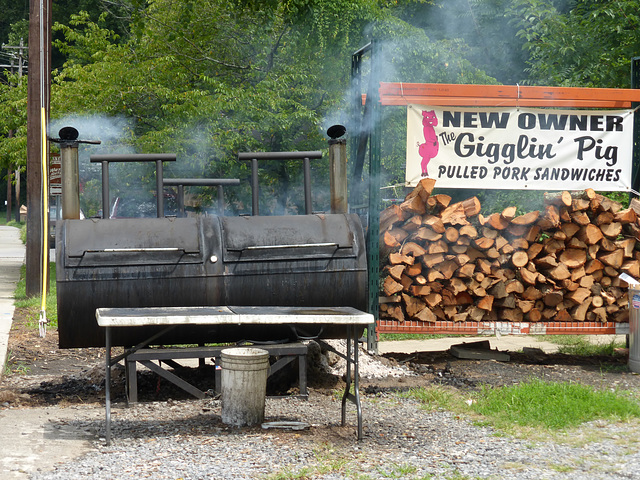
[37, 100]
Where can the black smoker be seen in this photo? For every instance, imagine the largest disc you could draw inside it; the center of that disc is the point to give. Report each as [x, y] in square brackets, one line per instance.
[316, 260]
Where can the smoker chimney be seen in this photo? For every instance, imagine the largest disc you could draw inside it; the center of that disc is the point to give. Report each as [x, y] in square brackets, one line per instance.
[338, 165]
[68, 140]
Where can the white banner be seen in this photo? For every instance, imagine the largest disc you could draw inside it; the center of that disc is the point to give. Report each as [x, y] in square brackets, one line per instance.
[518, 148]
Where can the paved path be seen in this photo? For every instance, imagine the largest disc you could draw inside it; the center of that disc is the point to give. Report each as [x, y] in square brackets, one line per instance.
[12, 252]
[511, 343]
[32, 439]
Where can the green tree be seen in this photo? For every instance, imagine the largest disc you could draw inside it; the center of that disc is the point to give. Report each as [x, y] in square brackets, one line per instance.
[589, 44]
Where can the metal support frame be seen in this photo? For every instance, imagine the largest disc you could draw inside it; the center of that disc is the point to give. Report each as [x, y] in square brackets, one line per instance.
[369, 127]
[200, 182]
[159, 158]
[255, 156]
[635, 83]
[286, 353]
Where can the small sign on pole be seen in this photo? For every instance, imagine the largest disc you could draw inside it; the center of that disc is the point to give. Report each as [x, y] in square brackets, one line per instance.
[55, 175]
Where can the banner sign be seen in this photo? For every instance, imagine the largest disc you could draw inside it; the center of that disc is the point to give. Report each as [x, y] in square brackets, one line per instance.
[518, 148]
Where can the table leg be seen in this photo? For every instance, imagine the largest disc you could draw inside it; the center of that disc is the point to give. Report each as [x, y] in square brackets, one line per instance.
[107, 384]
[347, 389]
[356, 380]
[352, 342]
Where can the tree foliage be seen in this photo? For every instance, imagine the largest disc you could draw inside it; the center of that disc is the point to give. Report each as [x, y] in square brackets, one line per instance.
[589, 45]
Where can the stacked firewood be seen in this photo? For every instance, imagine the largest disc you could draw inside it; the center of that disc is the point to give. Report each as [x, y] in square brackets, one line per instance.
[444, 261]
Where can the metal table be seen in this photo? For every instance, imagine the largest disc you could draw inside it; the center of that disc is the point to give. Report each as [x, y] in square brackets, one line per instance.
[349, 321]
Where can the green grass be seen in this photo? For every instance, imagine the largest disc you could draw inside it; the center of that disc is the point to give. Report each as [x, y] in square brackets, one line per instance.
[33, 303]
[551, 405]
[537, 405]
[388, 337]
[19, 368]
[435, 398]
[580, 345]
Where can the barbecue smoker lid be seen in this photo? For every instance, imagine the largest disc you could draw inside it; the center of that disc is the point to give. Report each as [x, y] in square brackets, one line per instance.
[290, 237]
[132, 241]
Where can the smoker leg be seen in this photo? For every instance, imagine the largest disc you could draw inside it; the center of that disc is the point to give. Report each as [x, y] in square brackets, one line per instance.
[107, 385]
[201, 361]
[132, 381]
[302, 375]
[352, 342]
[218, 377]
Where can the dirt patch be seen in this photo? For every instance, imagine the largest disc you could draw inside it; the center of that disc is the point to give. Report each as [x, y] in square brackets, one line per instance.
[39, 373]
[597, 371]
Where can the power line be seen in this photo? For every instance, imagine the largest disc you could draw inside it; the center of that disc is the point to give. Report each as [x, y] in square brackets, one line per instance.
[21, 57]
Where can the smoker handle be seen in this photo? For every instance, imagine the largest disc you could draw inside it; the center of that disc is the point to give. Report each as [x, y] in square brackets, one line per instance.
[137, 250]
[299, 245]
[129, 250]
[134, 250]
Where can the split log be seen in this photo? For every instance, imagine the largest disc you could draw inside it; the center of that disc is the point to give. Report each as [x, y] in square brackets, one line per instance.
[520, 258]
[434, 223]
[497, 222]
[528, 277]
[412, 224]
[396, 271]
[426, 315]
[391, 286]
[439, 201]
[509, 213]
[611, 230]
[535, 315]
[486, 303]
[451, 234]
[590, 234]
[413, 249]
[426, 234]
[526, 219]
[579, 295]
[468, 231]
[573, 257]
[413, 305]
[627, 245]
[534, 250]
[613, 259]
[625, 216]
[558, 198]
[454, 214]
[398, 258]
[580, 312]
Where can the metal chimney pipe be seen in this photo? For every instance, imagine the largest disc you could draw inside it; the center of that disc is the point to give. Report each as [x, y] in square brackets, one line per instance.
[70, 171]
[338, 169]
[70, 181]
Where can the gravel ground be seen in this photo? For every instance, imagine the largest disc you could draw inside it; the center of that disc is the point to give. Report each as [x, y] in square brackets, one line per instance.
[187, 440]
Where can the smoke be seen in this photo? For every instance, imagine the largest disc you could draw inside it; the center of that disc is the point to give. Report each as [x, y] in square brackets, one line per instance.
[115, 135]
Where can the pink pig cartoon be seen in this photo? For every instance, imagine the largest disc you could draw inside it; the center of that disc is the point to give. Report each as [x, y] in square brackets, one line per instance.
[428, 149]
